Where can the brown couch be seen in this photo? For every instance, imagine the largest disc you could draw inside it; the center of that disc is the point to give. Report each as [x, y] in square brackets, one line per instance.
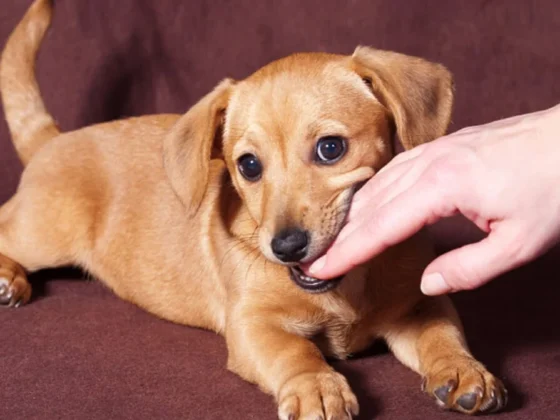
[78, 352]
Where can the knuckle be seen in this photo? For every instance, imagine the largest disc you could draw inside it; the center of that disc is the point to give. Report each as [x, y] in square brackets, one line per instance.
[452, 169]
[440, 176]
[518, 249]
[377, 228]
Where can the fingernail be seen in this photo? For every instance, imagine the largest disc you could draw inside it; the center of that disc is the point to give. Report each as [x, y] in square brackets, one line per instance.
[318, 265]
[434, 284]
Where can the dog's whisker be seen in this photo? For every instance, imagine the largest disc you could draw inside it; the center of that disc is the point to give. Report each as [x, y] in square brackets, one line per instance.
[255, 260]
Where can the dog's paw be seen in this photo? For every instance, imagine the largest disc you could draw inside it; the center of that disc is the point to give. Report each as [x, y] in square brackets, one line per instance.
[317, 396]
[463, 384]
[15, 290]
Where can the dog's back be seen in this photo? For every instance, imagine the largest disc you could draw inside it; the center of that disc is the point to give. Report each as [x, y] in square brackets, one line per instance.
[87, 195]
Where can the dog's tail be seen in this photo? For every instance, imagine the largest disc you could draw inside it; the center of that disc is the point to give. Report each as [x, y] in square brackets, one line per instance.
[31, 126]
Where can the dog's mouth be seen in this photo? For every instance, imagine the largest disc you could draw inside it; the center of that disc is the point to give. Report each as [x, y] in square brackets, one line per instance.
[312, 284]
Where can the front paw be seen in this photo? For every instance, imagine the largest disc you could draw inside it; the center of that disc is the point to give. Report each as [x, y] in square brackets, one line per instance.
[15, 290]
[317, 396]
[463, 384]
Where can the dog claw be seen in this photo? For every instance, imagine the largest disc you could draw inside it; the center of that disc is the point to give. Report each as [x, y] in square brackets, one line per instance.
[6, 292]
[498, 400]
[504, 399]
[11, 293]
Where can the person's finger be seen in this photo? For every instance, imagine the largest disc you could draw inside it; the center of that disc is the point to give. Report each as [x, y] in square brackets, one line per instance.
[367, 203]
[405, 156]
[384, 187]
[394, 222]
[368, 194]
[407, 180]
[401, 171]
[470, 266]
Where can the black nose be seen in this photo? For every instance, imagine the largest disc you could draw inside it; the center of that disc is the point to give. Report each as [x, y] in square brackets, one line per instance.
[290, 245]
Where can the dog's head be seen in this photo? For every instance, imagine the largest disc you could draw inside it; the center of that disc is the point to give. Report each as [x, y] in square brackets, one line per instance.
[301, 134]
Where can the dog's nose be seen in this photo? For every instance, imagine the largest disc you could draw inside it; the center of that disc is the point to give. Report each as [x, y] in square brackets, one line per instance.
[290, 245]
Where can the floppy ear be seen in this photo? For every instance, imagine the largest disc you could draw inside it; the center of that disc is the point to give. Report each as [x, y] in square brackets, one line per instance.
[187, 148]
[417, 93]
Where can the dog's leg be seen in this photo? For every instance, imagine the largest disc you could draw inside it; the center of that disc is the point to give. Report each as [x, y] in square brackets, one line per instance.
[291, 368]
[430, 340]
[25, 245]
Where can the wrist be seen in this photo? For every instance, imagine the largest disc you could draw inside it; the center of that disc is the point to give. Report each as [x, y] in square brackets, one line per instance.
[552, 118]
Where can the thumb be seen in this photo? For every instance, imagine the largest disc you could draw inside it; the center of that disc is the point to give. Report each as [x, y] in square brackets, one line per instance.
[470, 266]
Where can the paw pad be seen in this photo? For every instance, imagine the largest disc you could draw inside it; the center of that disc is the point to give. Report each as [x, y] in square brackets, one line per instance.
[442, 393]
[468, 401]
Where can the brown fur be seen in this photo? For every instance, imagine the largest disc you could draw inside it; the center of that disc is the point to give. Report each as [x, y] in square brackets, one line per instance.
[156, 209]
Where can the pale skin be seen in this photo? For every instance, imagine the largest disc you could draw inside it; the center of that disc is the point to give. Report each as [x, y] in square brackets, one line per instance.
[503, 176]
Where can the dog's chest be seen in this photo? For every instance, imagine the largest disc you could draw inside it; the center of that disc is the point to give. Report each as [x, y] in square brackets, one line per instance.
[346, 329]
[341, 339]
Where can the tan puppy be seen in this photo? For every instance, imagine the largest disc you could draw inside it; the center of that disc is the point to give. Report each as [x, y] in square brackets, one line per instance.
[202, 219]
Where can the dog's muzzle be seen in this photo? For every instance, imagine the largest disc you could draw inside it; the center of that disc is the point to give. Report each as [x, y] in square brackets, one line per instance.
[312, 284]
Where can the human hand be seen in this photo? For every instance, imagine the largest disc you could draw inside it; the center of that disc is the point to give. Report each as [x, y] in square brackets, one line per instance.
[503, 176]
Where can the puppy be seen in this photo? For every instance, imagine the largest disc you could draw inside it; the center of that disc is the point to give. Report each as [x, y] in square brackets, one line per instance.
[203, 219]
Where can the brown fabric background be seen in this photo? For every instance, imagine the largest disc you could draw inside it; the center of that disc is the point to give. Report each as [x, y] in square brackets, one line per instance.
[77, 352]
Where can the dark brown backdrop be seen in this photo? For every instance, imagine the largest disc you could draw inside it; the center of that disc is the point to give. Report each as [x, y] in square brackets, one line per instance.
[78, 352]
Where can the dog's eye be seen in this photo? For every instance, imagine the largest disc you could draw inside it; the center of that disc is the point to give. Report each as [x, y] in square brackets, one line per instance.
[330, 149]
[250, 167]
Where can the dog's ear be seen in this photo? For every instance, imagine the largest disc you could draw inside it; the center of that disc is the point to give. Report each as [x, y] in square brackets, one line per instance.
[417, 93]
[188, 147]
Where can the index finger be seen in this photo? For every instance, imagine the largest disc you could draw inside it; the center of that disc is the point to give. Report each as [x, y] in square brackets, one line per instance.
[392, 223]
